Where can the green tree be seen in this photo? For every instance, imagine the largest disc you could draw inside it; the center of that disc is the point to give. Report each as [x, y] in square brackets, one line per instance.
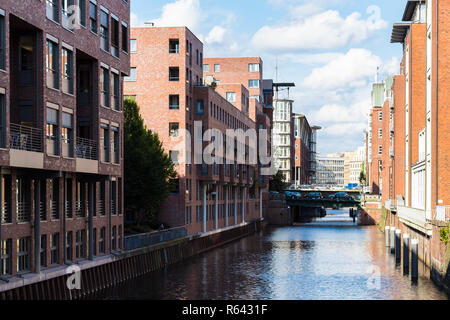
[362, 175]
[148, 169]
[277, 183]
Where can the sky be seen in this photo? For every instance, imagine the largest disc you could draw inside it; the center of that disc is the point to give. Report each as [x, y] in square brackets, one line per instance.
[331, 50]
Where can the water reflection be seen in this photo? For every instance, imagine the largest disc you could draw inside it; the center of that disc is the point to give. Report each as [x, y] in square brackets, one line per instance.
[329, 259]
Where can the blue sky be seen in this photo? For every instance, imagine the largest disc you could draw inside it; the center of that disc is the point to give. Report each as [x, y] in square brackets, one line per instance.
[330, 48]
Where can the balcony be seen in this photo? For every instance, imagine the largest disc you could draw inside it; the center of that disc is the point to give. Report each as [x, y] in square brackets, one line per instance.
[86, 149]
[414, 218]
[441, 213]
[5, 214]
[25, 138]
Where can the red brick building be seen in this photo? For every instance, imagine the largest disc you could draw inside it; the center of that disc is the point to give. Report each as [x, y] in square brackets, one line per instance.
[172, 97]
[61, 132]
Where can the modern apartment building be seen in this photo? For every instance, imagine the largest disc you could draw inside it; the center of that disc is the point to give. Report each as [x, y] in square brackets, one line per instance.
[330, 170]
[304, 150]
[169, 89]
[282, 137]
[61, 132]
[357, 163]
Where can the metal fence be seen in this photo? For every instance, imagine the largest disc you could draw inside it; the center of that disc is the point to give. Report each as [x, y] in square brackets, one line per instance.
[148, 239]
[86, 149]
[441, 213]
[25, 138]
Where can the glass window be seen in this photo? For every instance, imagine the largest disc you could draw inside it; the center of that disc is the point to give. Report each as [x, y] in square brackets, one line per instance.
[67, 134]
[231, 96]
[116, 145]
[115, 30]
[133, 45]
[52, 131]
[132, 76]
[253, 83]
[206, 68]
[174, 156]
[67, 12]
[173, 129]
[2, 43]
[54, 249]
[104, 87]
[116, 92]
[67, 70]
[113, 238]
[43, 251]
[174, 74]
[5, 257]
[52, 64]
[80, 243]
[104, 31]
[104, 142]
[23, 254]
[200, 107]
[125, 37]
[174, 46]
[82, 7]
[217, 68]
[69, 244]
[174, 102]
[2, 120]
[93, 17]
[52, 10]
[253, 67]
[101, 242]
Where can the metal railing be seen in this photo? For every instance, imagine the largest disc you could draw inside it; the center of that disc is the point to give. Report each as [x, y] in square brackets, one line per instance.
[79, 209]
[101, 207]
[25, 138]
[441, 213]
[54, 209]
[23, 213]
[42, 210]
[86, 149]
[148, 239]
[5, 213]
[68, 209]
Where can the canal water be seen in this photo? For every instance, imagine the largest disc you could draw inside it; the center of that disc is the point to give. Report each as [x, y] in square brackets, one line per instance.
[331, 258]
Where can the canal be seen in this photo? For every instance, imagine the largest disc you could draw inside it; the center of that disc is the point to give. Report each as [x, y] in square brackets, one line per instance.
[331, 258]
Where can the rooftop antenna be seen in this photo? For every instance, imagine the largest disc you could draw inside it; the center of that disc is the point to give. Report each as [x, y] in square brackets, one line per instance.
[376, 75]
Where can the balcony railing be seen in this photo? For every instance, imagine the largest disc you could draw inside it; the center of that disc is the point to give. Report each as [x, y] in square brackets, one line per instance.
[68, 209]
[101, 207]
[25, 138]
[42, 210]
[86, 149]
[54, 209]
[79, 209]
[23, 213]
[441, 213]
[5, 213]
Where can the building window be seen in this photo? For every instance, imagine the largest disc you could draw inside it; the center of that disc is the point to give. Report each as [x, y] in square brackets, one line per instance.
[124, 37]
[101, 241]
[80, 243]
[132, 76]
[104, 31]
[119, 236]
[53, 10]
[67, 71]
[94, 237]
[104, 141]
[173, 129]
[200, 107]
[253, 67]
[174, 74]
[69, 243]
[217, 68]
[174, 186]
[116, 92]
[174, 156]
[104, 85]
[231, 96]
[380, 150]
[2, 120]
[5, 257]
[52, 64]
[102, 203]
[133, 45]
[206, 68]
[253, 83]
[116, 143]
[380, 116]
[54, 249]
[174, 102]
[43, 251]
[113, 238]
[52, 132]
[54, 198]
[67, 135]
[113, 197]
[380, 133]
[115, 37]
[82, 7]
[93, 17]
[67, 12]
[2, 43]
[174, 46]
[23, 254]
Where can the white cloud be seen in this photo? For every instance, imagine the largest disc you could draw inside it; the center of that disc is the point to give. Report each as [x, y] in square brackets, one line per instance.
[216, 35]
[180, 13]
[135, 21]
[324, 30]
[352, 69]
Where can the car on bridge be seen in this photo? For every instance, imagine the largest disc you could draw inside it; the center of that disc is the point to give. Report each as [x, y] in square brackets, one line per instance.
[292, 195]
[313, 196]
[341, 196]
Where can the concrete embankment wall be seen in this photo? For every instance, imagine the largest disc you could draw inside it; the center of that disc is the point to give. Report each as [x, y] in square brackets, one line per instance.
[102, 274]
[432, 251]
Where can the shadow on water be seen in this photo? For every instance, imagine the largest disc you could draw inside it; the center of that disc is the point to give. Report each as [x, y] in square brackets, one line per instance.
[331, 258]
